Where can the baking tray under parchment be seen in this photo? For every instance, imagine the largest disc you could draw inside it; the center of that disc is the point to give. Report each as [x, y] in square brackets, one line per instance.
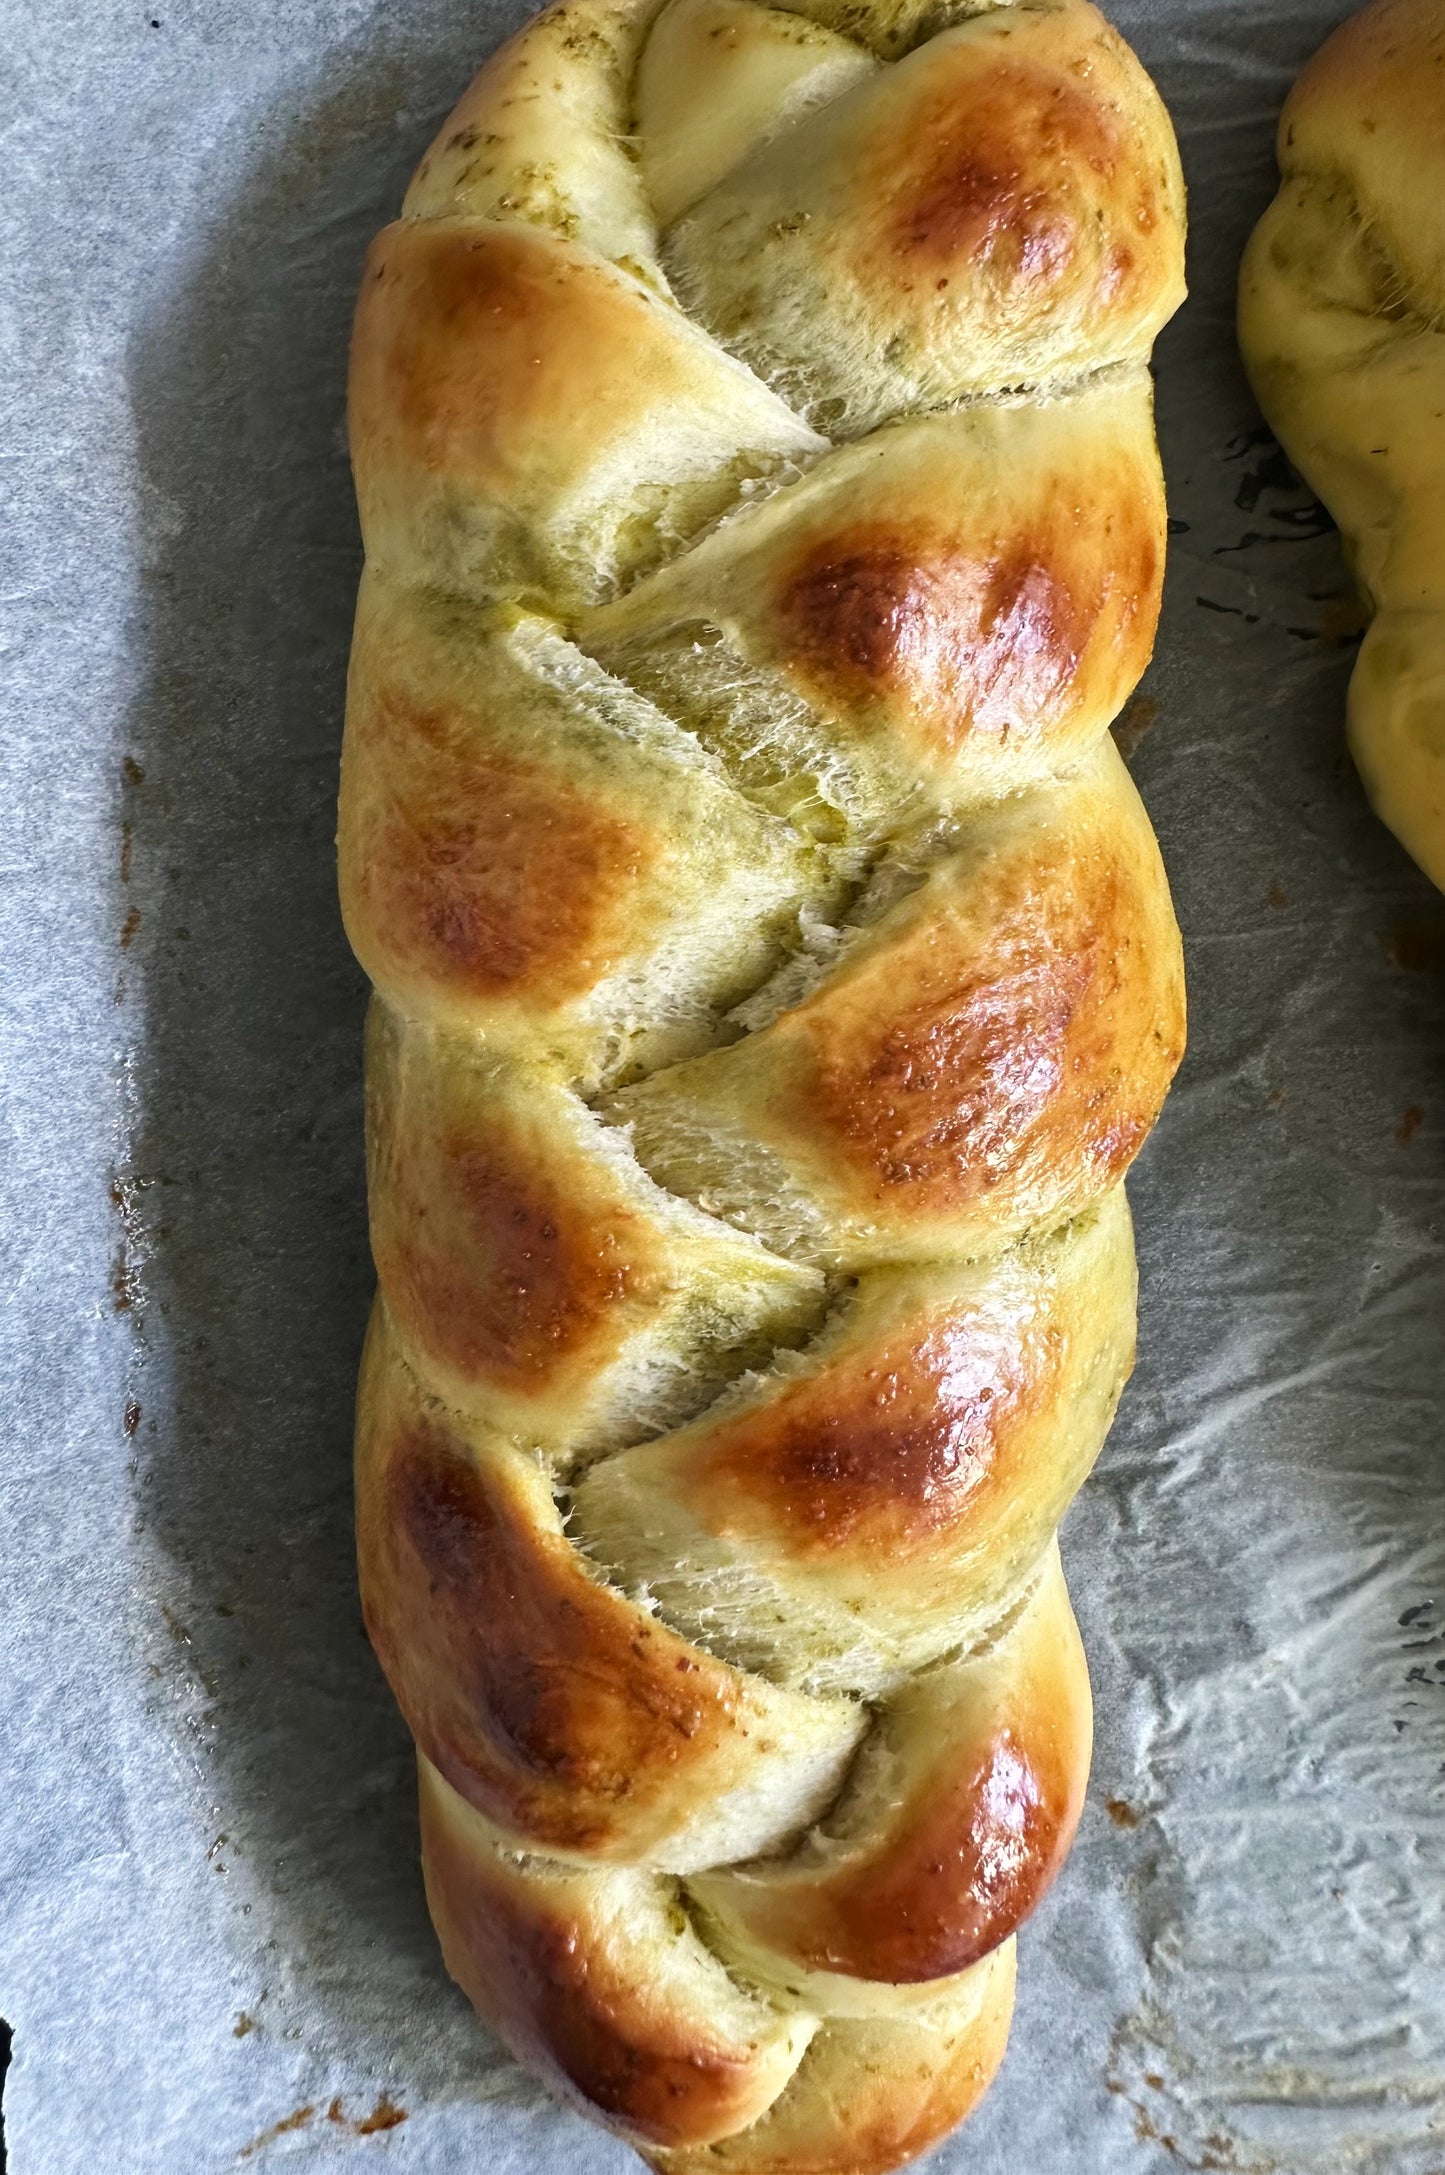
[213, 1947]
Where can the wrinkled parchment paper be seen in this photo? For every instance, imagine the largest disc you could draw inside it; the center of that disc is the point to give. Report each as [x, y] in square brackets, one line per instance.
[213, 1947]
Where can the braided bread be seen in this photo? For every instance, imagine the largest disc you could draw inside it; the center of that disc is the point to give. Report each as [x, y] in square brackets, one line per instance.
[776, 975]
[1342, 324]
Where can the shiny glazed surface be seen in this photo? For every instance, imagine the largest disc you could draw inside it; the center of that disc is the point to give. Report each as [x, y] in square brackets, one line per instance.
[776, 978]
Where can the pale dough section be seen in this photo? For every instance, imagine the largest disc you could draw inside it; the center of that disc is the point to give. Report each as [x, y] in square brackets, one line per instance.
[1341, 299]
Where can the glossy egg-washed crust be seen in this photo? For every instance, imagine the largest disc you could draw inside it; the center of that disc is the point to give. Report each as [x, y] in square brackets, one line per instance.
[1342, 324]
[776, 977]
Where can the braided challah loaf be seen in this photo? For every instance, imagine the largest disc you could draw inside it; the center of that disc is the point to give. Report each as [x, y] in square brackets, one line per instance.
[776, 976]
[1342, 323]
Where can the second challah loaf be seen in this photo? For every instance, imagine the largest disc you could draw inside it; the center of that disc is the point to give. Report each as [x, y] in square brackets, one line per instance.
[775, 978]
[1342, 323]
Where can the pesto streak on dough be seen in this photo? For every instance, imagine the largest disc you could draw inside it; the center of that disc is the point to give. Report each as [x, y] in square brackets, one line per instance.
[775, 978]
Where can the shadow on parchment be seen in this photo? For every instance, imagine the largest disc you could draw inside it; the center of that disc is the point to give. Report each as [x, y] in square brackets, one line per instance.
[246, 1272]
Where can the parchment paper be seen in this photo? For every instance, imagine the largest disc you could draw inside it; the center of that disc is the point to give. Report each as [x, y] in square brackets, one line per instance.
[214, 1952]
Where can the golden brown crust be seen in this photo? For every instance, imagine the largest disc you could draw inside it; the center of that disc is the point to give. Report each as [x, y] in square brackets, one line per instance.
[473, 871]
[558, 1708]
[535, 1274]
[499, 379]
[954, 1825]
[912, 1449]
[893, 1486]
[530, 850]
[507, 1260]
[1006, 1079]
[550, 1958]
[882, 612]
[491, 871]
[961, 597]
[879, 1458]
[999, 207]
[541, 1696]
[873, 2093]
[981, 1848]
[1007, 166]
[775, 977]
[993, 1052]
